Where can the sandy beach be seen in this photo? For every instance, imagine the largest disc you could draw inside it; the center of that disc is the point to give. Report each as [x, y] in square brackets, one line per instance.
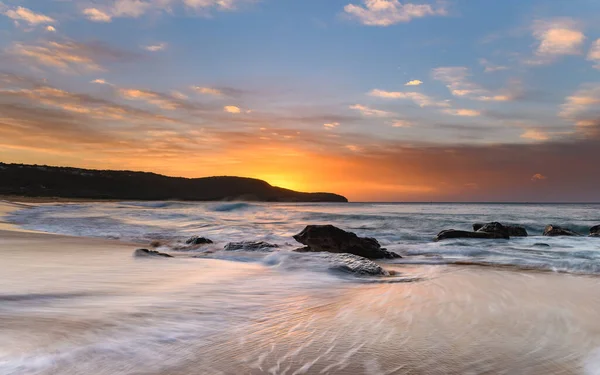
[75, 305]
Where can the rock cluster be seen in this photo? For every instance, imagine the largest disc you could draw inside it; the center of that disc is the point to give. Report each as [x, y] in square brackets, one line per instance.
[493, 230]
[513, 230]
[327, 238]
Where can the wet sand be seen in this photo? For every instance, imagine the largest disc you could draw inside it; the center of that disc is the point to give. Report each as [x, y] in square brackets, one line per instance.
[455, 320]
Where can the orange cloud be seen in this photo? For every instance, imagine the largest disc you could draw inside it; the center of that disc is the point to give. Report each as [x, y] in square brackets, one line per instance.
[535, 135]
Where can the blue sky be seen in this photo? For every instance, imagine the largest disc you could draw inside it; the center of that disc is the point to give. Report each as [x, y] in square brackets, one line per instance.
[321, 79]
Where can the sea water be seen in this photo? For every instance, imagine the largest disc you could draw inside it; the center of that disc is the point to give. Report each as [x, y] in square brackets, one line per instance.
[407, 229]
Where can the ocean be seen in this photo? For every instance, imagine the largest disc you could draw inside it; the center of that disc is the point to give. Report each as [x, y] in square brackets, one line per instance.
[407, 229]
[69, 305]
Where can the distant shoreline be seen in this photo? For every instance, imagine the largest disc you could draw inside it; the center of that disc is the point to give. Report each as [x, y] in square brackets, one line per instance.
[41, 181]
[32, 199]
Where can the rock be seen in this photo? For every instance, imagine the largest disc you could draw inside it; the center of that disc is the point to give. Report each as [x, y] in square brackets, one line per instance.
[496, 228]
[540, 244]
[150, 253]
[517, 231]
[322, 261]
[249, 245]
[453, 233]
[513, 230]
[198, 241]
[327, 238]
[356, 265]
[555, 230]
[595, 231]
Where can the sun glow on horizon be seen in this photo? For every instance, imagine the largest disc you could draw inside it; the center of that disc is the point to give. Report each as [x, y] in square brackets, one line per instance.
[284, 181]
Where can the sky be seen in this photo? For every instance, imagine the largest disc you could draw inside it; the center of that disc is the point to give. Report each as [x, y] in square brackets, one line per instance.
[378, 100]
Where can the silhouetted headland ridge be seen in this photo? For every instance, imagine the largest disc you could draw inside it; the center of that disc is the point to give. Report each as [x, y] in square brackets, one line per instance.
[66, 182]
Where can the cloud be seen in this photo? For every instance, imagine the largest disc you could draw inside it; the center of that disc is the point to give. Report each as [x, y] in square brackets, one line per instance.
[538, 177]
[582, 105]
[232, 109]
[457, 81]
[594, 54]
[401, 124]
[96, 15]
[414, 82]
[51, 29]
[490, 68]
[462, 112]
[100, 81]
[179, 95]
[35, 95]
[331, 125]
[27, 15]
[366, 111]
[159, 100]
[69, 56]
[535, 135]
[390, 12]
[421, 100]
[137, 8]
[495, 98]
[208, 91]
[557, 37]
[156, 47]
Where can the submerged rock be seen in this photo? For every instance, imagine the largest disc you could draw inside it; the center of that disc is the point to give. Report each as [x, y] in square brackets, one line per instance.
[513, 230]
[250, 245]
[196, 240]
[540, 244]
[354, 264]
[347, 263]
[453, 233]
[327, 238]
[150, 253]
[555, 231]
[595, 231]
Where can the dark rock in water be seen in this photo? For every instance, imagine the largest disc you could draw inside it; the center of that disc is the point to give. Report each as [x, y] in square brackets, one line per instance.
[356, 265]
[595, 231]
[555, 231]
[496, 228]
[453, 233]
[150, 253]
[198, 241]
[249, 245]
[327, 238]
[517, 231]
[513, 230]
[539, 244]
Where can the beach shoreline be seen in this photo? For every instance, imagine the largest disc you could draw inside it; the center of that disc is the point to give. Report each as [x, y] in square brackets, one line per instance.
[81, 294]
